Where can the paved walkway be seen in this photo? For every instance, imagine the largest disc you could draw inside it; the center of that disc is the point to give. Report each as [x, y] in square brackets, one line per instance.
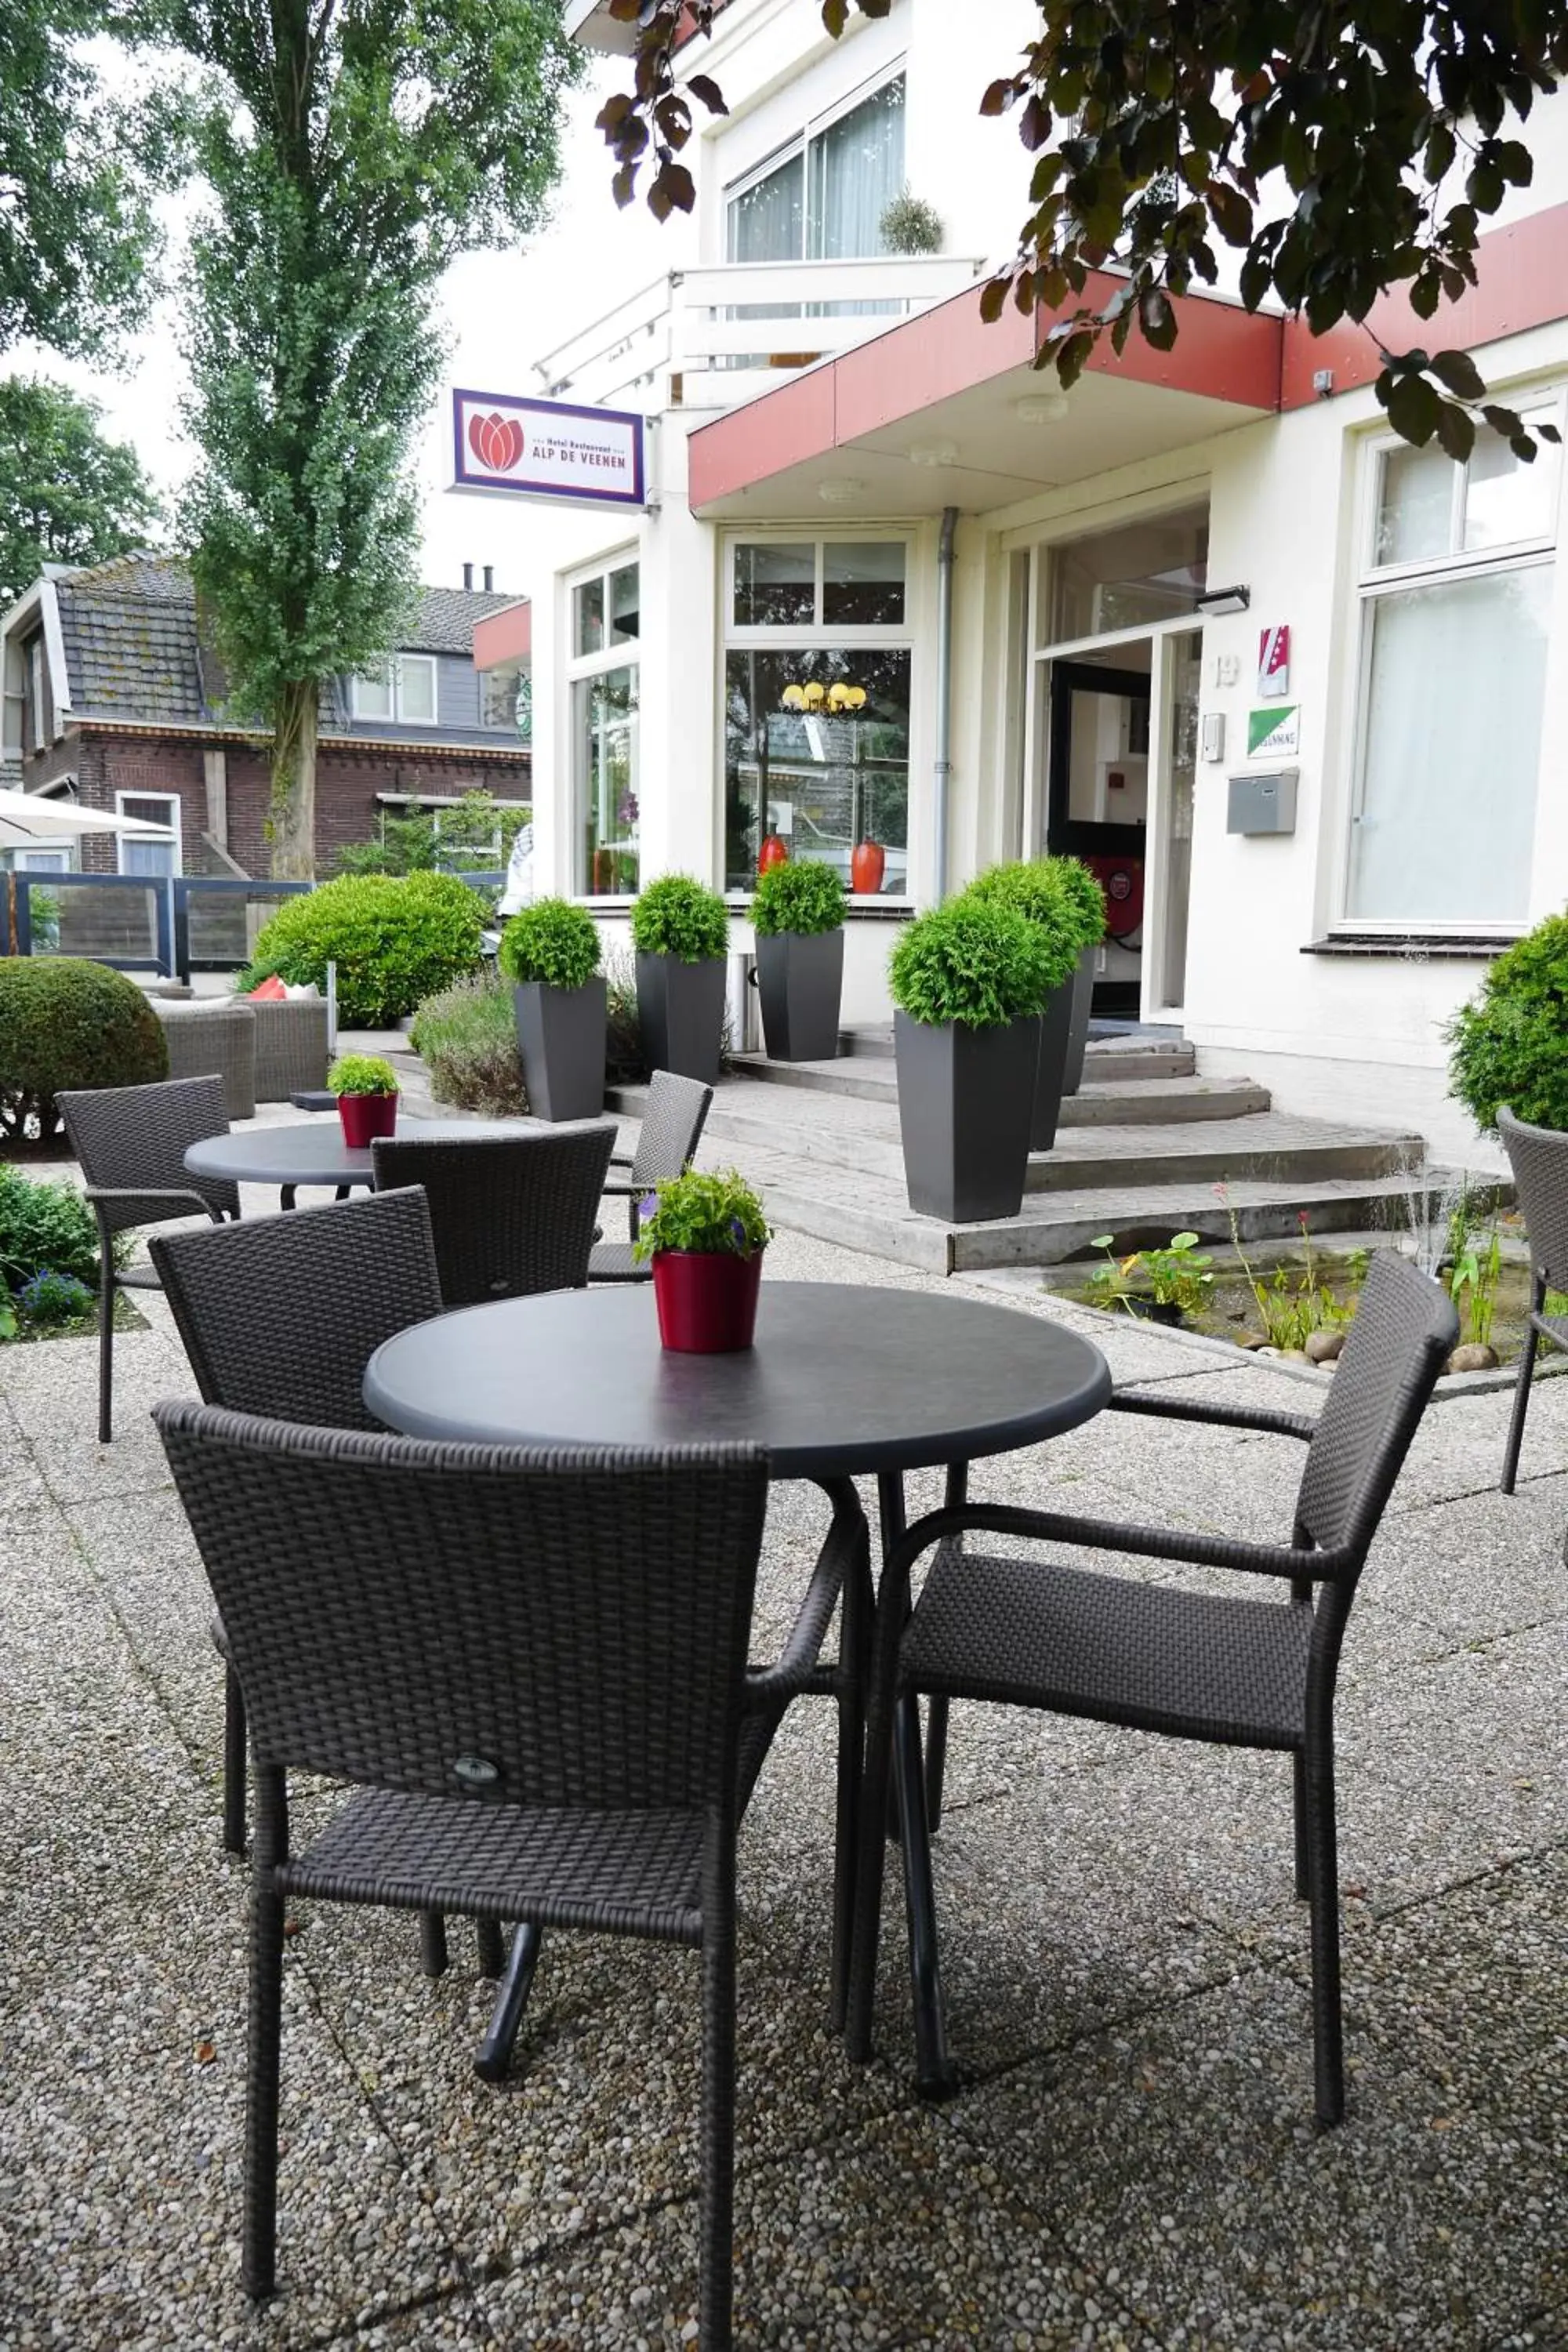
[1131, 2162]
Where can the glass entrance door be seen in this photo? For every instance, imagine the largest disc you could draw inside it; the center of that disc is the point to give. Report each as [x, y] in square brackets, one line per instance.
[1182, 658]
[1097, 803]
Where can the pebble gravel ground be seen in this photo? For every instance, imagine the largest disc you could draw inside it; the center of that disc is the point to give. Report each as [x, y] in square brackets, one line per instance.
[1129, 2165]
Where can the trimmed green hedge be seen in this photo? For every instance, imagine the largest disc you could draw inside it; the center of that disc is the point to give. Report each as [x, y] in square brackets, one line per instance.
[1510, 1041]
[395, 939]
[973, 961]
[677, 916]
[1033, 890]
[553, 941]
[803, 895]
[67, 1023]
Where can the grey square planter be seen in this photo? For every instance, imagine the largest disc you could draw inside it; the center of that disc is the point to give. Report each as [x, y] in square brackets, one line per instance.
[964, 1101]
[800, 979]
[1077, 1029]
[561, 1037]
[680, 1008]
[1050, 1064]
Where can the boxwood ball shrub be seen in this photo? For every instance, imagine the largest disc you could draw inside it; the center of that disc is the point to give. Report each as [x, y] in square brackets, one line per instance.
[1509, 1043]
[677, 916]
[1082, 896]
[46, 1226]
[803, 895]
[552, 941]
[974, 961]
[396, 938]
[67, 1023]
[1029, 887]
[465, 1036]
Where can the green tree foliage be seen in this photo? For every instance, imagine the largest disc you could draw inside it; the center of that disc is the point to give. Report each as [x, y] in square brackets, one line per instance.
[350, 150]
[66, 494]
[75, 231]
[1341, 149]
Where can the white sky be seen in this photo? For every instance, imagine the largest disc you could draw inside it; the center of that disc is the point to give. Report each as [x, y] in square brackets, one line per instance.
[501, 309]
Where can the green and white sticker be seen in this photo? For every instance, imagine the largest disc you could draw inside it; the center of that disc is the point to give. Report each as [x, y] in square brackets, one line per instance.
[1274, 732]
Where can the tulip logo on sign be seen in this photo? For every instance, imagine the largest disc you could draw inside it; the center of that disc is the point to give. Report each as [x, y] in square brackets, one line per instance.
[496, 441]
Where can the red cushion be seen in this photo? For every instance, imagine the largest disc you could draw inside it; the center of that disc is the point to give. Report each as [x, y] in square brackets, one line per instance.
[271, 989]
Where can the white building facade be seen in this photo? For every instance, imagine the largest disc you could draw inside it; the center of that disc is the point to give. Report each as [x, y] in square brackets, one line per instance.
[1298, 691]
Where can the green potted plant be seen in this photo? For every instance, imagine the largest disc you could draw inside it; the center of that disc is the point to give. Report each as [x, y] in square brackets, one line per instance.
[968, 982]
[1032, 890]
[1083, 908]
[550, 951]
[366, 1088]
[797, 913]
[705, 1233]
[1509, 1043]
[681, 931]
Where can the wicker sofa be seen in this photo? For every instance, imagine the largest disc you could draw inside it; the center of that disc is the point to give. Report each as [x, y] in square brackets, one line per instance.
[213, 1038]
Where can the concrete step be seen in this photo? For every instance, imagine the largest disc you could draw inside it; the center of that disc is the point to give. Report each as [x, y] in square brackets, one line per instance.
[1115, 1087]
[1130, 1053]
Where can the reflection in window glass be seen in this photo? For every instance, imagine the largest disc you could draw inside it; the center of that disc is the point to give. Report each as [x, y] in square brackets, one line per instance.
[1145, 571]
[372, 692]
[417, 689]
[863, 583]
[1445, 768]
[766, 221]
[605, 722]
[1414, 506]
[1504, 500]
[624, 600]
[857, 168]
[806, 759]
[588, 626]
[775, 587]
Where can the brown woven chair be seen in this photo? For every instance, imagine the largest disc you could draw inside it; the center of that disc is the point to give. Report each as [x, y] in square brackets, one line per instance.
[533, 1667]
[132, 1143]
[1198, 1665]
[511, 1213]
[1539, 1158]
[673, 1118]
[279, 1316]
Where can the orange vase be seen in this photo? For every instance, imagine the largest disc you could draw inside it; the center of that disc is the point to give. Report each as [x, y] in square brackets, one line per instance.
[868, 863]
[773, 852]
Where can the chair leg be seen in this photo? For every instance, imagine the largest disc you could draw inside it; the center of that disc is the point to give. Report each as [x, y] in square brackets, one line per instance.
[933, 2069]
[846, 1834]
[259, 2257]
[936, 1759]
[105, 1352]
[432, 1943]
[1520, 1407]
[491, 1946]
[1322, 1863]
[716, 2289]
[234, 1763]
[493, 2063]
[1303, 1870]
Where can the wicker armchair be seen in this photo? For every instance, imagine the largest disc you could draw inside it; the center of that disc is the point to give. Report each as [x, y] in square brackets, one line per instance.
[290, 1047]
[132, 1143]
[279, 1316]
[673, 1120]
[511, 1213]
[1197, 1665]
[208, 1038]
[532, 1667]
[1539, 1158]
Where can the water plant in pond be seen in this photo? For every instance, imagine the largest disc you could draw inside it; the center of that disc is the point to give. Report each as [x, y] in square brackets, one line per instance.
[1294, 1301]
[1177, 1275]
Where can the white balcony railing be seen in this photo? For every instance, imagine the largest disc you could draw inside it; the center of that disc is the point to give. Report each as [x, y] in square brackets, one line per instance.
[711, 338]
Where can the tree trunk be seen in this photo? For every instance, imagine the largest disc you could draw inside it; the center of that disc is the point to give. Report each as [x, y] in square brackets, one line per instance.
[291, 823]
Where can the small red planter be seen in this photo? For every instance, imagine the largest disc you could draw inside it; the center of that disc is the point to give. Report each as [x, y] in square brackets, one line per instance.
[364, 1117]
[707, 1300]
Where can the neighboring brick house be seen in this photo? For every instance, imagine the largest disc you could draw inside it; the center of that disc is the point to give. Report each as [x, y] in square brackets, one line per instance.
[111, 689]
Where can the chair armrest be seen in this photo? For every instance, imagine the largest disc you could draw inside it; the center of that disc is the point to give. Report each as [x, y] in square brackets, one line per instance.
[1225, 1416]
[1104, 1535]
[846, 1554]
[620, 1158]
[153, 1192]
[622, 1185]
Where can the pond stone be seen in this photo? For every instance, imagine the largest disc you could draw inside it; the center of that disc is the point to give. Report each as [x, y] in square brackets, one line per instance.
[1471, 1358]
[1322, 1346]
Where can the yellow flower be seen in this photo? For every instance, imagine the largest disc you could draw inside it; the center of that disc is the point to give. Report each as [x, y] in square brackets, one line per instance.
[815, 696]
[855, 696]
[793, 697]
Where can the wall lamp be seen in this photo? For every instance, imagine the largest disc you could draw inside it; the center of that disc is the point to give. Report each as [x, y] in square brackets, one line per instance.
[1216, 602]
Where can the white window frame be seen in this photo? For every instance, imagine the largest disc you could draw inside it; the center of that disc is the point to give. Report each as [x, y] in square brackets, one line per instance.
[123, 842]
[38, 672]
[818, 636]
[394, 666]
[812, 128]
[624, 653]
[1374, 581]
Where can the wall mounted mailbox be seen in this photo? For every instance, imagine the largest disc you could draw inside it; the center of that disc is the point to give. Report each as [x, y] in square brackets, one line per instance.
[1263, 803]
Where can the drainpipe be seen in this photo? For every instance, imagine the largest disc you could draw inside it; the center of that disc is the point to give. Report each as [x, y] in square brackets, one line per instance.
[943, 769]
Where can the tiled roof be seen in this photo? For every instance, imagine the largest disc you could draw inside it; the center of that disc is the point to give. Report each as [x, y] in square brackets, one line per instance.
[133, 650]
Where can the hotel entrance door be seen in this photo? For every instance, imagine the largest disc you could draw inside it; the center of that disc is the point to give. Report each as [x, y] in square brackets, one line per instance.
[1097, 802]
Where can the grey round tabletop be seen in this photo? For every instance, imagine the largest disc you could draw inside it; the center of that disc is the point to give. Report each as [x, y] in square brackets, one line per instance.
[312, 1151]
[841, 1378]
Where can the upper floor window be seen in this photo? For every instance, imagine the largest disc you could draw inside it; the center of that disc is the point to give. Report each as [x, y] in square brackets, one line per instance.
[401, 688]
[1456, 600]
[822, 198]
[843, 583]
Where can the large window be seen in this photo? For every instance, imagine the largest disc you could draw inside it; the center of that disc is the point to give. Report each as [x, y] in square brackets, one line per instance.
[603, 676]
[816, 705]
[401, 689]
[822, 198]
[1456, 597]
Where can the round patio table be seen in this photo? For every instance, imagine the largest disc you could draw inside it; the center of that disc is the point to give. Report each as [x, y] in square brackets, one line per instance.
[312, 1151]
[843, 1379]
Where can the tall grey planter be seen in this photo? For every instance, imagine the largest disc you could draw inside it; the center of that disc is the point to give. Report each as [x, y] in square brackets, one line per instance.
[561, 1037]
[1050, 1064]
[1077, 1028]
[680, 1008]
[800, 979]
[964, 1101]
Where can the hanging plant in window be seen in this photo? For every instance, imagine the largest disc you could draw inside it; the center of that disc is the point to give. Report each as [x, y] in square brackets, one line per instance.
[909, 225]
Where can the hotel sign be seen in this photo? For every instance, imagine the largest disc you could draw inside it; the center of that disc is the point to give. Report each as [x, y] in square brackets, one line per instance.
[546, 449]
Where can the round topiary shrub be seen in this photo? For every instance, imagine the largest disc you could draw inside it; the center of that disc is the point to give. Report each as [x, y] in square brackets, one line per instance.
[395, 940]
[1510, 1041]
[804, 897]
[973, 961]
[679, 916]
[553, 941]
[67, 1022]
[1032, 889]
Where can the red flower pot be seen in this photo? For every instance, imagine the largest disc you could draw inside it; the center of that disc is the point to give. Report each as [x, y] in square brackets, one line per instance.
[868, 863]
[707, 1300]
[364, 1117]
[773, 852]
